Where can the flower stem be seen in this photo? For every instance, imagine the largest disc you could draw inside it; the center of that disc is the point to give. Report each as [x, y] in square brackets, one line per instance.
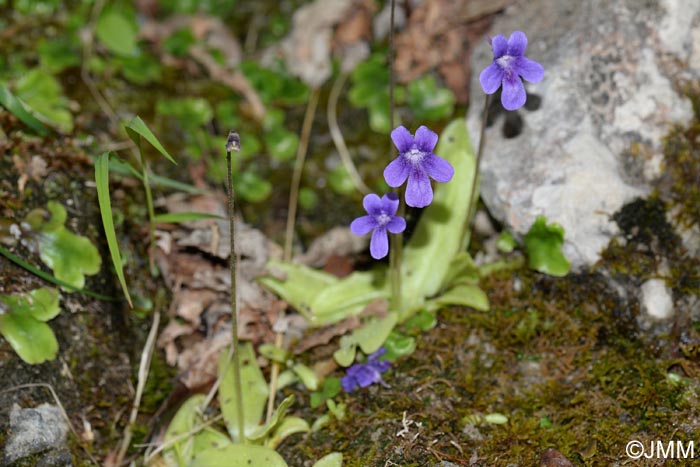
[479, 153]
[396, 251]
[234, 144]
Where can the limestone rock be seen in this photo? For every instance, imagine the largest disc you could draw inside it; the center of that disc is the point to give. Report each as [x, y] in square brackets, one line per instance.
[590, 131]
[37, 430]
[657, 301]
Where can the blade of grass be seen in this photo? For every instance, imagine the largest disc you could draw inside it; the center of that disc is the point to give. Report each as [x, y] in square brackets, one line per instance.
[175, 217]
[102, 183]
[18, 109]
[122, 167]
[136, 128]
[49, 278]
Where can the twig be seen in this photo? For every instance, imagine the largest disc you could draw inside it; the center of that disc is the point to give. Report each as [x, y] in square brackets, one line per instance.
[233, 79]
[144, 366]
[274, 377]
[60, 407]
[337, 135]
[298, 170]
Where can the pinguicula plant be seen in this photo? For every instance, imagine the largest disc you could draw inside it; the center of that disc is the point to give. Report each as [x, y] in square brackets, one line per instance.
[416, 164]
[507, 71]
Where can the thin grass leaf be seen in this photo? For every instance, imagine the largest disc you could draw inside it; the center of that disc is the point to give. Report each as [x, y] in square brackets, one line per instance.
[175, 185]
[122, 167]
[176, 217]
[49, 278]
[17, 108]
[102, 183]
[136, 128]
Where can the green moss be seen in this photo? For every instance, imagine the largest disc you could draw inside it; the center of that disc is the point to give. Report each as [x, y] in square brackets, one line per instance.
[560, 350]
[682, 174]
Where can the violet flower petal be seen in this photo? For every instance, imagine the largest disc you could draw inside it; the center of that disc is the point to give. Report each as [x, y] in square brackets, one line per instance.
[348, 383]
[402, 138]
[528, 69]
[438, 168]
[426, 139]
[372, 204]
[380, 365]
[513, 95]
[396, 225]
[499, 43]
[363, 225]
[379, 244]
[491, 78]
[419, 193]
[396, 172]
[366, 375]
[390, 203]
[517, 43]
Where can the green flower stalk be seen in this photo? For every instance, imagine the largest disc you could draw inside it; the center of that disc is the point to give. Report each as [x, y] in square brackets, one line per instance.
[234, 144]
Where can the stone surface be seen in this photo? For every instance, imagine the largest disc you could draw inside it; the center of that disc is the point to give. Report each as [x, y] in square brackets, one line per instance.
[592, 129]
[307, 49]
[34, 431]
[656, 300]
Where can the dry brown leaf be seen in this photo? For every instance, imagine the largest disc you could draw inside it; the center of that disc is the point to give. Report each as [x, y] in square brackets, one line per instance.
[193, 258]
[339, 241]
[36, 169]
[322, 336]
[307, 49]
[357, 26]
[441, 34]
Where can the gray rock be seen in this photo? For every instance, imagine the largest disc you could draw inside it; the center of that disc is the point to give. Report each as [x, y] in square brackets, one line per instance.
[307, 49]
[657, 301]
[606, 102]
[34, 431]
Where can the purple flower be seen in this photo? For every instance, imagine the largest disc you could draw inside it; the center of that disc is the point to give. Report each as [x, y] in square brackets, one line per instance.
[416, 162]
[509, 64]
[382, 217]
[364, 374]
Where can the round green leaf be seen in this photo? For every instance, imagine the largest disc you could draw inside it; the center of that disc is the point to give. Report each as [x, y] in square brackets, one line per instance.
[308, 199]
[428, 101]
[116, 32]
[397, 345]
[334, 459]
[543, 244]
[33, 340]
[252, 188]
[281, 143]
